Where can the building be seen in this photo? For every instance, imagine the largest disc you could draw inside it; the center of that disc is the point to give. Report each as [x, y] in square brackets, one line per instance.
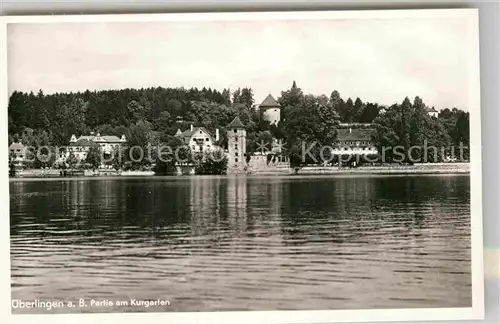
[79, 148]
[432, 112]
[237, 146]
[199, 139]
[355, 139]
[270, 110]
[107, 143]
[17, 152]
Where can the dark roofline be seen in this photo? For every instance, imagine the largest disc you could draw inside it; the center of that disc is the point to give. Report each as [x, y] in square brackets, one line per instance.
[236, 123]
[269, 102]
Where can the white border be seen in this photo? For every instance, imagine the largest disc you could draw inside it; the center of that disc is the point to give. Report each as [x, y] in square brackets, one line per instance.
[470, 17]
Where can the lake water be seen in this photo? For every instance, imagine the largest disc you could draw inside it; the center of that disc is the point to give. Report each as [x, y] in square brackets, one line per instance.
[242, 243]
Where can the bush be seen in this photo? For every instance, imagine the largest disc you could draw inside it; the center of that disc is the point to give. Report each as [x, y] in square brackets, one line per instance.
[214, 163]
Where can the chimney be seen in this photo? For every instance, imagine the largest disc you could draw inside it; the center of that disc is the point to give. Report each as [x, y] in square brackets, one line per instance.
[191, 127]
[216, 134]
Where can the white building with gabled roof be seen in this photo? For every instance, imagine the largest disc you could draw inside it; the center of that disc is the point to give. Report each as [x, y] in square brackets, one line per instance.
[199, 139]
[107, 143]
[431, 111]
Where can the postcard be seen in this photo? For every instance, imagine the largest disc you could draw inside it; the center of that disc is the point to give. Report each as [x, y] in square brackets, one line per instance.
[263, 167]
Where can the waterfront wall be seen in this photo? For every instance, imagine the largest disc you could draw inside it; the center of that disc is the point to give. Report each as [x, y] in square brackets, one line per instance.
[38, 173]
[258, 164]
[427, 168]
[137, 173]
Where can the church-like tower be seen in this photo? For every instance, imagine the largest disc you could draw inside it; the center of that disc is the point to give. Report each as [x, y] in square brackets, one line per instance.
[270, 110]
[237, 146]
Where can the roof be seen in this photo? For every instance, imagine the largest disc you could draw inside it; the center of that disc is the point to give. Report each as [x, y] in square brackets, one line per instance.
[111, 138]
[189, 133]
[16, 146]
[269, 102]
[236, 123]
[355, 134]
[82, 142]
[100, 138]
[429, 109]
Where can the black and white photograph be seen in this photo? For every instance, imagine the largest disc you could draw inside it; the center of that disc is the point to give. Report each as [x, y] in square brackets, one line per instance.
[301, 164]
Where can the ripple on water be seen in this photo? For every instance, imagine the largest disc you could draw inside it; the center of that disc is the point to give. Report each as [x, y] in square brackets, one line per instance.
[245, 244]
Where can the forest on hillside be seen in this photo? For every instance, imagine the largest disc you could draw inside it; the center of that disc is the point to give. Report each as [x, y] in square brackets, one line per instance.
[153, 115]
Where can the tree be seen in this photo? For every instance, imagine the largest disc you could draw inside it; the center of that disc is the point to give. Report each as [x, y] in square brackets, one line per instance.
[290, 99]
[12, 164]
[164, 122]
[309, 123]
[347, 111]
[408, 126]
[72, 161]
[214, 163]
[370, 112]
[357, 110]
[140, 143]
[174, 107]
[259, 142]
[226, 97]
[335, 101]
[236, 95]
[94, 157]
[246, 97]
[169, 156]
[137, 111]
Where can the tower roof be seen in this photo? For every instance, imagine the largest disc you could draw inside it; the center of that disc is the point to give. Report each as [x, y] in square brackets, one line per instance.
[269, 102]
[236, 123]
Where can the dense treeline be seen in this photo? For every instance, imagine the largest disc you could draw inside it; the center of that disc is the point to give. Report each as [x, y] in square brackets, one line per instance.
[153, 115]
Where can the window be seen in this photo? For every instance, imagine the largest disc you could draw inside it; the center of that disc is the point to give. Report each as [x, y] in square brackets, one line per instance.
[206, 139]
[201, 132]
[236, 160]
[234, 130]
[235, 146]
[236, 154]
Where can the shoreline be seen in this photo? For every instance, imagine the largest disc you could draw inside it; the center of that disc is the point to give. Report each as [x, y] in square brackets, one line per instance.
[430, 168]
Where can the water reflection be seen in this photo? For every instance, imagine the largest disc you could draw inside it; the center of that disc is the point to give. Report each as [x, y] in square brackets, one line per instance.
[238, 243]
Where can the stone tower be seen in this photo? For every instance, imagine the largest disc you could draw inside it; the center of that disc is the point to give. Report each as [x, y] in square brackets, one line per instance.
[237, 146]
[270, 110]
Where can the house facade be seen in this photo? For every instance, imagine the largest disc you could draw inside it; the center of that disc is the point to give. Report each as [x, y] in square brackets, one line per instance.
[432, 112]
[107, 143]
[17, 152]
[355, 139]
[199, 139]
[80, 146]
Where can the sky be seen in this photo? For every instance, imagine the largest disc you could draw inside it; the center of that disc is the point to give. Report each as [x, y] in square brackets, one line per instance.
[377, 60]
